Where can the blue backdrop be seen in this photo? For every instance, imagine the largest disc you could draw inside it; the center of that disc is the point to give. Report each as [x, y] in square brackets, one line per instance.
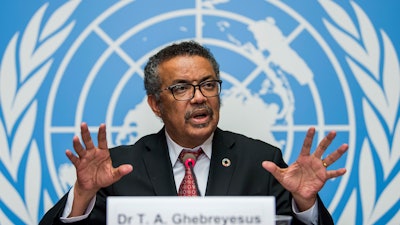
[286, 65]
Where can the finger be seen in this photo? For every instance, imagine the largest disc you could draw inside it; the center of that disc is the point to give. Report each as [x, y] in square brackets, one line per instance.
[324, 144]
[331, 158]
[305, 149]
[74, 160]
[86, 138]
[78, 146]
[273, 169]
[336, 173]
[122, 170]
[102, 137]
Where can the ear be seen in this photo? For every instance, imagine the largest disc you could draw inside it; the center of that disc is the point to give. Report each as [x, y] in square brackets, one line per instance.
[151, 100]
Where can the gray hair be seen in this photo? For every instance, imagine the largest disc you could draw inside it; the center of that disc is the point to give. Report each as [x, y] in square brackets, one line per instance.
[152, 80]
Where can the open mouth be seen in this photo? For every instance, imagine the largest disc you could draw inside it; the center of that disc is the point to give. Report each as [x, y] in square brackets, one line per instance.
[199, 116]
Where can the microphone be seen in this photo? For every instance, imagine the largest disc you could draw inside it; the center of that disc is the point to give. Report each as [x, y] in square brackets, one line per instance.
[190, 160]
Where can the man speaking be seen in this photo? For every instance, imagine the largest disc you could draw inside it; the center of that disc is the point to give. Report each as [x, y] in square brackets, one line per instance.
[190, 155]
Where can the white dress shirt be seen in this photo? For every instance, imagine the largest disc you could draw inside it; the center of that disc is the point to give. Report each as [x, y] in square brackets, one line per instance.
[201, 170]
[201, 167]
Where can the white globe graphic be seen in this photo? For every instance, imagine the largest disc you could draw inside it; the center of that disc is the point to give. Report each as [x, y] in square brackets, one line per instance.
[272, 88]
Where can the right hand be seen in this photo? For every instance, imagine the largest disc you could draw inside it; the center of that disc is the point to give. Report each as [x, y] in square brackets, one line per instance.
[94, 168]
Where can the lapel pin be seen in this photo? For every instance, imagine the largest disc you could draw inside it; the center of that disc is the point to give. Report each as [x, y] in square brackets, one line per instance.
[226, 162]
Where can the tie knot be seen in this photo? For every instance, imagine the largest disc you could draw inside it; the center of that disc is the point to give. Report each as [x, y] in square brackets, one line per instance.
[187, 154]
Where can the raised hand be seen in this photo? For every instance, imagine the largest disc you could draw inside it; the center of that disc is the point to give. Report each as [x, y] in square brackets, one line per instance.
[94, 168]
[306, 177]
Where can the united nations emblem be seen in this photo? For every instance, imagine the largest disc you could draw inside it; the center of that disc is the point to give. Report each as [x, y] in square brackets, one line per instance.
[273, 89]
[281, 72]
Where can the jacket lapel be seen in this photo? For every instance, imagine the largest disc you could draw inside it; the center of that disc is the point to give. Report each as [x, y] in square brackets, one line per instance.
[158, 165]
[220, 173]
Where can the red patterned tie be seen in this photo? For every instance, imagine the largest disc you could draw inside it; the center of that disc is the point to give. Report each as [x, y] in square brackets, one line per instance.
[188, 186]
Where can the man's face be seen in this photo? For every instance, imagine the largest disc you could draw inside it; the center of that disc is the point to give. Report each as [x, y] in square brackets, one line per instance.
[190, 122]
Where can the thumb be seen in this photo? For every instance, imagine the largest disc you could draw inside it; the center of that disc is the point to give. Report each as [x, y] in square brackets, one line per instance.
[272, 168]
[122, 170]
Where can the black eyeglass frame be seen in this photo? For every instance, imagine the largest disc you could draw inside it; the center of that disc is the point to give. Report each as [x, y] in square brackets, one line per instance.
[200, 86]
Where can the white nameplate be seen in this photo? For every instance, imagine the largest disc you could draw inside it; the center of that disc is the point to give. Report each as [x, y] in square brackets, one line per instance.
[190, 210]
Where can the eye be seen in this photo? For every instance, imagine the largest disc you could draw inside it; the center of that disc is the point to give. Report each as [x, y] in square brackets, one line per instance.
[209, 85]
[180, 88]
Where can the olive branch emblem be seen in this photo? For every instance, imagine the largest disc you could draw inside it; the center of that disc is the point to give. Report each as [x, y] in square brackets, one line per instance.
[377, 71]
[24, 66]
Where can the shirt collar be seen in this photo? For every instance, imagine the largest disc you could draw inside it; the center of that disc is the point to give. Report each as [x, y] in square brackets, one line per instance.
[175, 149]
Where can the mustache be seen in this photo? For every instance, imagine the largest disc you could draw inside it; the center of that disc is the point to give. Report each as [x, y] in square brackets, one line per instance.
[190, 113]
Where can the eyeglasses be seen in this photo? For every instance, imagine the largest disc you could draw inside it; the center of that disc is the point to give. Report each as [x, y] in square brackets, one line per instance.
[185, 91]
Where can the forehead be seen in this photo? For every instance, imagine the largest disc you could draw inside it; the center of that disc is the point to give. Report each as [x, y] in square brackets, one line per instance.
[186, 68]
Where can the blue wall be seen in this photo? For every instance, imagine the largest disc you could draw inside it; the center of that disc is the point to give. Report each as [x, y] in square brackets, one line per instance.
[286, 66]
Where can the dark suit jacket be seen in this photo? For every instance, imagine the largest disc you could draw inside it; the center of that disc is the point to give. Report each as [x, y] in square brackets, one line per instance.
[152, 174]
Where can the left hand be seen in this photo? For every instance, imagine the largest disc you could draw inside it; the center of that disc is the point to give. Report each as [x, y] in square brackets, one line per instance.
[306, 177]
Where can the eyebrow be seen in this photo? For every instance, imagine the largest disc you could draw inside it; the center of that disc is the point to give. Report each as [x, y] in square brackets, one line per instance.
[179, 81]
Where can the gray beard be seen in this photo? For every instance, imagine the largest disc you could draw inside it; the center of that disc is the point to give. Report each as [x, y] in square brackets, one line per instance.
[188, 114]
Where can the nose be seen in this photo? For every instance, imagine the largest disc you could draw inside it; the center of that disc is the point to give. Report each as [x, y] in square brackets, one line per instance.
[198, 96]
